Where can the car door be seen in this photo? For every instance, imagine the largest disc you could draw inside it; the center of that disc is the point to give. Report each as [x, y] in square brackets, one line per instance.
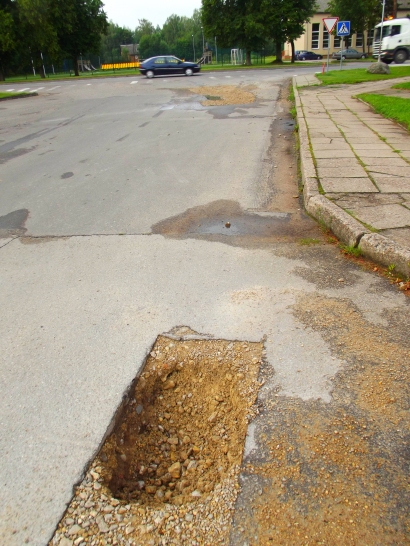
[173, 65]
[159, 66]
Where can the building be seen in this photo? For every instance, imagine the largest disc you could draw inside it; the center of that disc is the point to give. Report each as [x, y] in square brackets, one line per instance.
[316, 38]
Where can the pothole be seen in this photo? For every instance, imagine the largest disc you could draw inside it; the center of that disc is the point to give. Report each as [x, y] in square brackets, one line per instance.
[225, 94]
[168, 471]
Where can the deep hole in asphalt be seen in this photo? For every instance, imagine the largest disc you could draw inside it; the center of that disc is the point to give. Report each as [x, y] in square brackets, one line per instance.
[176, 444]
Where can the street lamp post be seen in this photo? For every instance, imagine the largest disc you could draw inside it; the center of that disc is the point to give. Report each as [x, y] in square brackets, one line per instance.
[203, 41]
[381, 34]
[216, 52]
[193, 45]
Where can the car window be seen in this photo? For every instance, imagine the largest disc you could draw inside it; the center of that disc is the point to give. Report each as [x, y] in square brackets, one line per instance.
[172, 60]
[395, 29]
[160, 60]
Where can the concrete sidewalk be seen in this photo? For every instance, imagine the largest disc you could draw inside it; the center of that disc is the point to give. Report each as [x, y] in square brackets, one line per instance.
[355, 169]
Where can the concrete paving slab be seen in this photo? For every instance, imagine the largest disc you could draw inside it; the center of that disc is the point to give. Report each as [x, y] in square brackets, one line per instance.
[335, 153]
[347, 172]
[388, 153]
[328, 134]
[328, 141]
[339, 185]
[354, 200]
[376, 163]
[332, 145]
[338, 163]
[390, 170]
[384, 216]
[370, 146]
[391, 184]
[401, 236]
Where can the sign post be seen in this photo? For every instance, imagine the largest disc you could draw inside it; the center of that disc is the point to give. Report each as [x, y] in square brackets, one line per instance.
[330, 23]
[343, 29]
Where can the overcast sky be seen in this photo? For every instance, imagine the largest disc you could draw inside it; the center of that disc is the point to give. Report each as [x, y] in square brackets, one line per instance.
[126, 13]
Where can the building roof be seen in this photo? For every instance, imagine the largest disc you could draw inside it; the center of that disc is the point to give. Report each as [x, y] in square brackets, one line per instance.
[322, 6]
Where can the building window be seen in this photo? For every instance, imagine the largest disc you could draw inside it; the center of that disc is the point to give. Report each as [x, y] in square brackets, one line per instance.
[315, 35]
[337, 42]
[369, 39]
[359, 39]
[325, 38]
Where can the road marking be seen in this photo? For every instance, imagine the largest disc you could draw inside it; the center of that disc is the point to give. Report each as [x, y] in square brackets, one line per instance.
[38, 89]
[56, 87]
[212, 77]
[22, 90]
[134, 82]
[89, 83]
[9, 90]
[228, 76]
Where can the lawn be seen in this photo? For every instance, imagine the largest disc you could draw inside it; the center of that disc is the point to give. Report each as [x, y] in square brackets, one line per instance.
[359, 75]
[405, 85]
[395, 108]
[8, 95]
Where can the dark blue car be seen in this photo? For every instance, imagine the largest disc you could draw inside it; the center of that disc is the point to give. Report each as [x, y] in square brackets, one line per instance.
[167, 64]
[308, 56]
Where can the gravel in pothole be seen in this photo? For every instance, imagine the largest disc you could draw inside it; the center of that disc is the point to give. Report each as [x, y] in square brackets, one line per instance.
[168, 473]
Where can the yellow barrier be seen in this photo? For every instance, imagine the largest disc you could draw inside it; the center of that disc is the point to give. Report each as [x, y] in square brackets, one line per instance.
[119, 65]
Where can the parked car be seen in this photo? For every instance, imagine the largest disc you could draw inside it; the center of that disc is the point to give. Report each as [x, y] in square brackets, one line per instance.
[297, 52]
[348, 53]
[167, 64]
[308, 56]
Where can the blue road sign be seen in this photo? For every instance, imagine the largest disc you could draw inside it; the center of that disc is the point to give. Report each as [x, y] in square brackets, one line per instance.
[343, 28]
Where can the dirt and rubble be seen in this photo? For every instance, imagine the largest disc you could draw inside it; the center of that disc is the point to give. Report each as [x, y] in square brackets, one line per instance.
[168, 473]
[221, 95]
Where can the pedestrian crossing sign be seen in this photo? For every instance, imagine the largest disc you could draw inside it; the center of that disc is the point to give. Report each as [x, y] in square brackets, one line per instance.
[343, 28]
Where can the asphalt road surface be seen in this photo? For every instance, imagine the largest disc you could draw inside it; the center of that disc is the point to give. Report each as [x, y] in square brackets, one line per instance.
[115, 199]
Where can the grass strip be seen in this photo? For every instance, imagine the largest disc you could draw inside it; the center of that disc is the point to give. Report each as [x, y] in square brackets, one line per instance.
[395, 108]
[13, 95]
[405, 85]
[359, 75]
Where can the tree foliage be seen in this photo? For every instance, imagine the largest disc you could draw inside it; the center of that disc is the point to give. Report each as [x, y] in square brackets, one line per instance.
[249, 24]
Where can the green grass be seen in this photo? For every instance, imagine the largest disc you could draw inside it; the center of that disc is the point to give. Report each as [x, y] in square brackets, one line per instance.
[359, 75]
[8, 95]
[395, 108]
[351, 250]
[405, 85]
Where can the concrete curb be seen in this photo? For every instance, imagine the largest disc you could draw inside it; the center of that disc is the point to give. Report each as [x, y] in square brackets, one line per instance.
[350, 231]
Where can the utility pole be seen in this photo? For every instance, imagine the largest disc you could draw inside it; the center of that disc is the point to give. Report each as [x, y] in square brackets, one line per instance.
[381, 34]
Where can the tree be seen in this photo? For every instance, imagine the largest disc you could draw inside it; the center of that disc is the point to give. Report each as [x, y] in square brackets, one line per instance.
[7, 36]
[235, 23]
[38, 29]
[144, 27]
[81, 27]
[285, 20]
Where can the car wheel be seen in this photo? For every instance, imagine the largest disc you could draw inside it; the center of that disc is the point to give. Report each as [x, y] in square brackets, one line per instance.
[319, 57]
[189, 72]
[343, 57]
[400, 56]
[387, 61]
[363, 56]
[303, 58]
[150, 74]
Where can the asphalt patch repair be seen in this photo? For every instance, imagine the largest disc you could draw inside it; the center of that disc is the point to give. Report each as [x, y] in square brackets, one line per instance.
[222, 95]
